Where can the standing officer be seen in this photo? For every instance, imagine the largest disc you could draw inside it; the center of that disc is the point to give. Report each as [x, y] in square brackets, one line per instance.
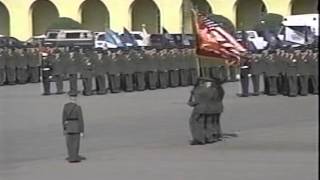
[193, 66]
[2, 67]
[271, 74]
[114, 73]
[34, 65]
[151, 73]
[87, 73]
[73, 61]
[206, 98]
[21, 66]
[291, 73]
[303, 73]
[139, 77]
[128, 71]
[11, 61]
[265, 56]
[314, 72]
[73, 128]
[58, 69]
[256, 71]
[244, 77]
[47, 72]
[99, 69]
[162, 69]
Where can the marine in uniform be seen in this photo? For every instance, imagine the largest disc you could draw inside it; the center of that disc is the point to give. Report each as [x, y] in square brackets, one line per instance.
[271, 74]
[87, 73]
[114, 73]
[99, 69]
[73, 127]
[22, 76]
[46, 67]
[314, 72]
[2, 67]
[73, 62]
[291, 74]
[244, 77]
[139, 69]
[58, 65]
[206, 99]
[11, 62]
[34, 65]
[303, 73]
[256, 71]
[162, 69]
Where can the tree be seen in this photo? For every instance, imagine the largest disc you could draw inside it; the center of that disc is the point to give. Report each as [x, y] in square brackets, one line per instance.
[65, 23]
[270, 22]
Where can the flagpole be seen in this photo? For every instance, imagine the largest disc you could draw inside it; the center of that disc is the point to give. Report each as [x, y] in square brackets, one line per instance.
[197, 59]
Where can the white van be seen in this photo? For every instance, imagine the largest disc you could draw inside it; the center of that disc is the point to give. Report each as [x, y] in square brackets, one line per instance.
[69, 37]
[299, 28]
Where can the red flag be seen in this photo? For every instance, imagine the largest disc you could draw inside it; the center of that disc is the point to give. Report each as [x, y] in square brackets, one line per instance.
[214, 41]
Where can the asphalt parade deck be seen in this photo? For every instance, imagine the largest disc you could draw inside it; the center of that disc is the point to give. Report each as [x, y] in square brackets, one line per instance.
[144, 136]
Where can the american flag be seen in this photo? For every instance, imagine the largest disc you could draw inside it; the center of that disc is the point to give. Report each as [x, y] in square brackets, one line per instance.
[214, 41]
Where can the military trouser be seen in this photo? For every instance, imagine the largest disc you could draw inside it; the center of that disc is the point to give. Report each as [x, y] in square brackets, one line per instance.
[255, 78]
[127, 82]
[303, 84]
[163, 79]
[205, 72]
[183, 76]
[46, 85]
[280, 83]
[266, 84]
[193, 76]
[2, 76]
[212, 127]
[59, 83]
[292, 85]
[314, 83]
[232, 74]
[272, 81]
[101, 84]
[87, 85]
[11, 76]
[22, 75]
[34, 74]
[214, 72]
[115, 83]
[223, 74]
[73, 81]
[197, 127]
[152, 79]
[140, 83]
[73, 146]
[244, 80]
[173, 78]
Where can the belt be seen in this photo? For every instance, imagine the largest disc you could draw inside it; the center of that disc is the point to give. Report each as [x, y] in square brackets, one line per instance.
[72, 119]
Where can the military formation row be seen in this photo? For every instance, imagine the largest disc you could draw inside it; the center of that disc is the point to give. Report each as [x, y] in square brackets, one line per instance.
[19, 66]
[121, 70]
[289, 73]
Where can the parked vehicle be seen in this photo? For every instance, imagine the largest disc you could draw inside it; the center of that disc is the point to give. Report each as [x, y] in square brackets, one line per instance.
[69, 37]
[7, 41]
[254, 41]
[300, 29]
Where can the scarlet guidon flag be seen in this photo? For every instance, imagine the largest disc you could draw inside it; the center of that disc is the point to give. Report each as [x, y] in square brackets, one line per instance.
[214, 41]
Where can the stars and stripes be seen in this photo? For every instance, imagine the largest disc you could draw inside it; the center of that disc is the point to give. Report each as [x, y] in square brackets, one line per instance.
[214, 41]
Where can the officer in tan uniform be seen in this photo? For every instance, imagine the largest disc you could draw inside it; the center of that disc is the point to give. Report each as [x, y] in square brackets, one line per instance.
[73, 128]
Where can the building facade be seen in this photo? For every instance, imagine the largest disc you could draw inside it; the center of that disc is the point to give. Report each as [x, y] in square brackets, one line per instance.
[25, 18]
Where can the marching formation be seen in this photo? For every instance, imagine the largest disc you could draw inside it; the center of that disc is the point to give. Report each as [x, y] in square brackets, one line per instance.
[289, 72]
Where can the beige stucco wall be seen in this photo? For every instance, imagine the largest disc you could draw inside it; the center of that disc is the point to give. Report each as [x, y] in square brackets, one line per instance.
[119, 13]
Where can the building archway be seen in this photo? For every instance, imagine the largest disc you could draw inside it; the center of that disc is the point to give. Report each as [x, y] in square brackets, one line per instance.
[187, 5]
[44, 13]
[4, 20]
[248, 13]
[304, 7]
[145, 12]
[94, 15]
